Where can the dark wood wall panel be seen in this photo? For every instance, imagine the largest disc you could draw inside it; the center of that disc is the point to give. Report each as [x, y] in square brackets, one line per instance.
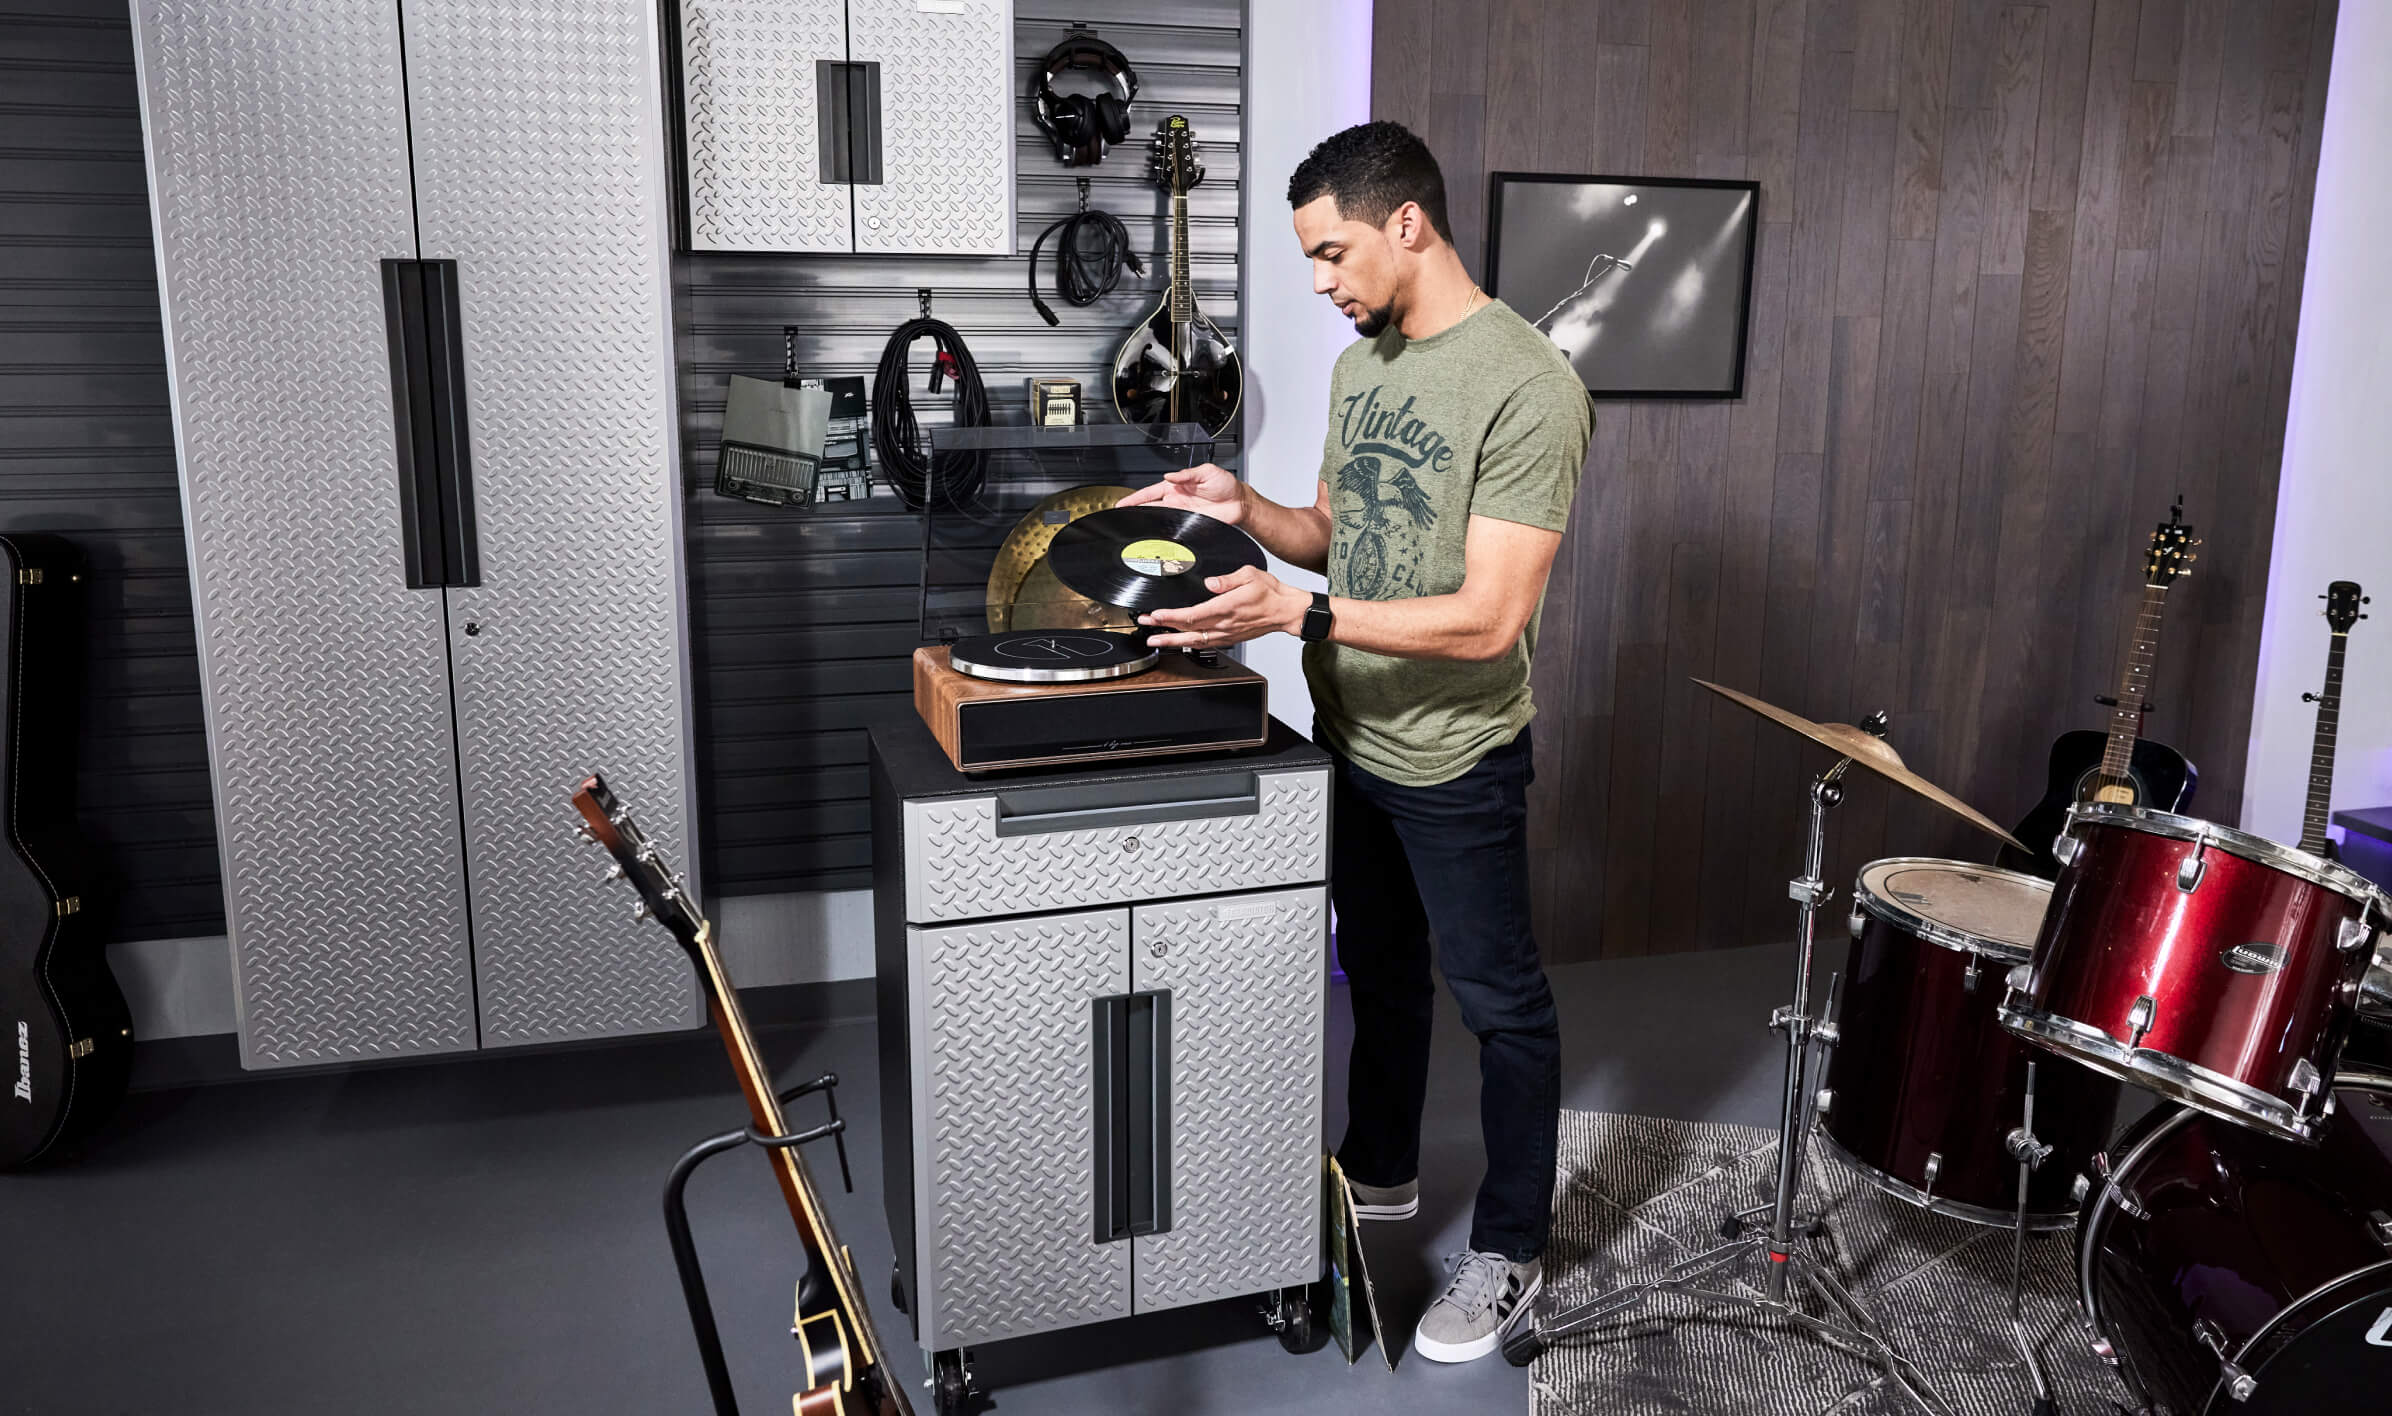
[2026, 272]
[87, 452]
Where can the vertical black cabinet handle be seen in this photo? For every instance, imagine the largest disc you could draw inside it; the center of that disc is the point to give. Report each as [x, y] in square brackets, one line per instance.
[1132, 1143]
[427, 381]
[847, 120]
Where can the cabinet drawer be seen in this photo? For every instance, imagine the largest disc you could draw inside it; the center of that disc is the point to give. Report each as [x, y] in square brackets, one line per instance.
[1034, 850]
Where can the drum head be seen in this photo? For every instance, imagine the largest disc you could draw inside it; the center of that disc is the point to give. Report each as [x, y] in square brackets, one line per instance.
[1957, 904]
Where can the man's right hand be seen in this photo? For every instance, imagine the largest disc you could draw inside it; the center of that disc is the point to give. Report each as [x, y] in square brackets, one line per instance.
[1208, 490]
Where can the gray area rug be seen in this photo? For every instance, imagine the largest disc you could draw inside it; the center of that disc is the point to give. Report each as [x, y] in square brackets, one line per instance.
[1638, 1195]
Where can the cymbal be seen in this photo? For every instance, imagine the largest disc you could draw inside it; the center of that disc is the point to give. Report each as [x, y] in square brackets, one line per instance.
[1024, 554]
[1867, 750]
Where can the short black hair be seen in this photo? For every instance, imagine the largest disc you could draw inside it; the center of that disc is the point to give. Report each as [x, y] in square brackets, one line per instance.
[1371, 169]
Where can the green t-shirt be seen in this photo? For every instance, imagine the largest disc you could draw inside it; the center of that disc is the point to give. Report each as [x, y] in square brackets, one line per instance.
[1486, 418]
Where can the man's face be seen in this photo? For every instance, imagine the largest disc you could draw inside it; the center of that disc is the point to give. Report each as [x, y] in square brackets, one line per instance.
[1353, 263]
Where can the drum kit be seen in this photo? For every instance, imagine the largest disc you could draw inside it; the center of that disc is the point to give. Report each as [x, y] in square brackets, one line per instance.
[2234, 1249]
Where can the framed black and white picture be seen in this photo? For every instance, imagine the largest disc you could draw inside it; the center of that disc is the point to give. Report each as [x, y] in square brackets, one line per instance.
[1645, 282]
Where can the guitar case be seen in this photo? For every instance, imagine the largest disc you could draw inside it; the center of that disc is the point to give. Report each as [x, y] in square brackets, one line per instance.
[66, 1037]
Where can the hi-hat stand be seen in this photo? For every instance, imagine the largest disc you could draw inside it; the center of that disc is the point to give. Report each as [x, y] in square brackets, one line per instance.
[1787, 1269]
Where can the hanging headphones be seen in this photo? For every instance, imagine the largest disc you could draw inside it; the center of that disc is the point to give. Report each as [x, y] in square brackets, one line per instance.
[1083, 126]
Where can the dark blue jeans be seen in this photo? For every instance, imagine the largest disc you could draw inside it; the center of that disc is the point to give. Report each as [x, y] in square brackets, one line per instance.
[1450, 861]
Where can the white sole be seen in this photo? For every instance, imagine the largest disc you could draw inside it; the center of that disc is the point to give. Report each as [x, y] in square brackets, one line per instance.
[1405, 1210]
[1478, 1347]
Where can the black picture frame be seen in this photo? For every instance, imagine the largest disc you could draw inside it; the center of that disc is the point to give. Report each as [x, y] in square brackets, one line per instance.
[1708, 368]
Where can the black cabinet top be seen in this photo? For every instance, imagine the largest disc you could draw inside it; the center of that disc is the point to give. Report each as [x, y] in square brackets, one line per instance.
[917, 767]
[2373, 821]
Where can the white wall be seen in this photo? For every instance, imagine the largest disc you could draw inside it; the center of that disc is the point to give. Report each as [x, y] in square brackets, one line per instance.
[2334, 502]
[1307, 75]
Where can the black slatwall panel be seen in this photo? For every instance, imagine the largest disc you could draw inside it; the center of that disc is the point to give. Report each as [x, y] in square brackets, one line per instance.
[87, 451]
[803, 622]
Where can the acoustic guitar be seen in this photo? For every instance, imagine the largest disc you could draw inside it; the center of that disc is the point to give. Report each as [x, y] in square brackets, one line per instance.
[2343, 599]
[2119, 764]
[1177, 366]
[846, 1366]
[66, 1037]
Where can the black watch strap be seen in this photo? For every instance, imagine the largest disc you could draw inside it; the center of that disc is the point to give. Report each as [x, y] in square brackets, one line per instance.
[1317, 619]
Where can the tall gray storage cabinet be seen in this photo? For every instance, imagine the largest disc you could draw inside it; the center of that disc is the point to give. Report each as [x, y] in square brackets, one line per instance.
[413, 261]
[1100, 998]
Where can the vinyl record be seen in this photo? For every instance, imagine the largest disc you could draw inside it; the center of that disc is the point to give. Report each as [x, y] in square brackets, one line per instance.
[1148, 557]
[1050, 656]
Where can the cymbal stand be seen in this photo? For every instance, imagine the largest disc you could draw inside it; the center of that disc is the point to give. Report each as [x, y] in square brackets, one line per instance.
[1849, 1326]
[2029, 1151]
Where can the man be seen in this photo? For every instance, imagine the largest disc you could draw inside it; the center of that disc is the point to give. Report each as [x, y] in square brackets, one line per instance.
[1456, 435]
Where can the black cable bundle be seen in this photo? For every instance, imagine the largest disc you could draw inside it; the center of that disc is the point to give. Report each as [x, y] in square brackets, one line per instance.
[1088, 257]
[897, 438]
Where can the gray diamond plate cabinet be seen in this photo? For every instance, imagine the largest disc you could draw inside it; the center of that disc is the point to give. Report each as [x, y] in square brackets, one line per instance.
[414, 268]
[1100, 998]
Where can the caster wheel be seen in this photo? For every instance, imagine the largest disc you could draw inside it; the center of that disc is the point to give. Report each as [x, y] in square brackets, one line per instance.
[1522, 1345]
[897, 1289]
[1295, 1322]
[951, 1386]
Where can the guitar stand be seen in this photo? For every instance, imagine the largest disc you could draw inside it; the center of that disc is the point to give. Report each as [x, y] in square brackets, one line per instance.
[685, 1249]
[1787, 1268]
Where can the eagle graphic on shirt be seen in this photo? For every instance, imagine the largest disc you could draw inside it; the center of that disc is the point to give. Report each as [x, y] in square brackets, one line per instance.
[1383, 511]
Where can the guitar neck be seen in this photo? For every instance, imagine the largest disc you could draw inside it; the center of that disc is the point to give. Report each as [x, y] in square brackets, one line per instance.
[1183, 298]
[2134, 686]
[2321, 751]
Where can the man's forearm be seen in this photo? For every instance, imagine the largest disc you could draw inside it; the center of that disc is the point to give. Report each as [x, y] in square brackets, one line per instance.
[1298, 535]
[1424, 627]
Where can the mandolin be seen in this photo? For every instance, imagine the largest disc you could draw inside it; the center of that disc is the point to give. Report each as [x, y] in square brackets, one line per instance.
[2119, 765]
[1177, 366]
[2342, 611]
[846, 1365]
[66, 1037]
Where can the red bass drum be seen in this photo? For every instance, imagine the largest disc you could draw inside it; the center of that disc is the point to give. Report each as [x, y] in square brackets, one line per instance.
[1924, 1085]
[2207, 964]
[2225, 1270]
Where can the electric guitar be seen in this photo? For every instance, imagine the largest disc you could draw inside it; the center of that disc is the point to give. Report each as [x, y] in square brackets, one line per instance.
[66, 1037]
[2342, 611]
[2118, 765]
[1177, 366]
[847, 1372]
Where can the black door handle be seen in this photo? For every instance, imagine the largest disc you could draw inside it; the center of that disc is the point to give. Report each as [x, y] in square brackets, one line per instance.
[1132, 1151]
[427, 379]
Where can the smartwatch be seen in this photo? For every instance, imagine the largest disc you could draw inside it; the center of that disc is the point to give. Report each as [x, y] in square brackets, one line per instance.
[1317, 619]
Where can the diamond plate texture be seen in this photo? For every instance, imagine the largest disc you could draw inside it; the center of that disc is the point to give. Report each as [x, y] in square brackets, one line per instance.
[277, 142]
[539, 170]
[1248, 977]
[1004, 1097]
[957, 867]
[749, 118]
[947, 112]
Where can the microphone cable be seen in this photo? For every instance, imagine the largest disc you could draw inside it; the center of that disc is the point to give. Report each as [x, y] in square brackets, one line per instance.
[896, 435]
[1089, 255]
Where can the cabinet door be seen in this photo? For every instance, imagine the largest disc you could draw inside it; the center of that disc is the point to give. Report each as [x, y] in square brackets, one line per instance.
[751, 126]
[279, 182]
[539, 171]
[1004, 1107]
[1248, 978]
[947, 103]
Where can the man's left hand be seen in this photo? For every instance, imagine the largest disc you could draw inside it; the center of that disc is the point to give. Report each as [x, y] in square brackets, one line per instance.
[1247, 604]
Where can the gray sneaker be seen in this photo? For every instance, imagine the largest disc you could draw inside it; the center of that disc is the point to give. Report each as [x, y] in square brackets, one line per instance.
[1486, 1296]
[1391, 1202]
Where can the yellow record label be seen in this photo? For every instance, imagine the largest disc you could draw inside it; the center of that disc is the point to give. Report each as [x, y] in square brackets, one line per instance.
[1158, 557]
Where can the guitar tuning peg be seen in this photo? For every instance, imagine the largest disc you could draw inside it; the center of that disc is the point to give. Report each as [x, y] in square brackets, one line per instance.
[582, 834]
[640, 910]
[613, 872]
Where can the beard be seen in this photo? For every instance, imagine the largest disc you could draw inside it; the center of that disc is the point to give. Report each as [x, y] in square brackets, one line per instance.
[1370, 322]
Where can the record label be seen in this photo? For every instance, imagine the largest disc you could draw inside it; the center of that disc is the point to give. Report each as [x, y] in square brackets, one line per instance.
[1148, 557]
[1155, 556]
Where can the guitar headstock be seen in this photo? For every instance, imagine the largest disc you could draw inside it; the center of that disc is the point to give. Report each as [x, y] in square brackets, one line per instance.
[2342, 605]
[608, 822]
[1171, 156]
[2171, 552]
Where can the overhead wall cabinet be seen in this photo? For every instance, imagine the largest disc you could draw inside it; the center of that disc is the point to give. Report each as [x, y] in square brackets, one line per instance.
[414, 274]
[875, 126]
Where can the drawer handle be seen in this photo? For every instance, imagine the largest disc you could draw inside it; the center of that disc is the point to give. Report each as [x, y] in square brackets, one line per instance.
[1012, 822]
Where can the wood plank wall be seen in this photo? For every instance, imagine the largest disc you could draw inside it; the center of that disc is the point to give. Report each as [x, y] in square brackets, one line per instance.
[2026, 273]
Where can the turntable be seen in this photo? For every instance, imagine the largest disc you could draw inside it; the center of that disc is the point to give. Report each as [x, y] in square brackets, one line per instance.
[1044, 665]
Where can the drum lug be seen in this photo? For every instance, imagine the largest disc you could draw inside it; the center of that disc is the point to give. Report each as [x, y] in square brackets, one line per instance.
[1822, 1104]
[2190, 869]
[2080, 1187]
[2305, 1081]
[2381, 1224]
[2354, 933]
[1860, 919]
[2139, 1019]
[1934, 1168]
[2066, 845]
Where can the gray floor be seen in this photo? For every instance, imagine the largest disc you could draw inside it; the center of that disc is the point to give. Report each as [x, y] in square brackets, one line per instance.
[482, 1236]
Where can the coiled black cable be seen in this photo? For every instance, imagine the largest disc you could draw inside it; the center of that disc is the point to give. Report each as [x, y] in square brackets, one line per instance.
[905, 462]
[1089, 256]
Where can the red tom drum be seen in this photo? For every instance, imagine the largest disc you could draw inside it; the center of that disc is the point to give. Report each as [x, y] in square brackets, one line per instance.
[2211, 966]
[2225, 1270]
[1924, 1085]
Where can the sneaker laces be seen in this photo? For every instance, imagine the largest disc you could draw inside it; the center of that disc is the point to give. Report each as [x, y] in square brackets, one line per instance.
[1478, 1283]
